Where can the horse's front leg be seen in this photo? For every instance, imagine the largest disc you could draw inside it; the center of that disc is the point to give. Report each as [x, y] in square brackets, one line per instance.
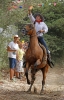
[32, 79]
[26, 72]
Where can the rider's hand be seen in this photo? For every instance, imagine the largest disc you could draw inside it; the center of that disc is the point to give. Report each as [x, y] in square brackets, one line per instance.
[30, 8]
[41, 31]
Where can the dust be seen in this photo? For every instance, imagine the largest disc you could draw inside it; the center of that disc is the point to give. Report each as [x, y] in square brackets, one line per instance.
[17, 90]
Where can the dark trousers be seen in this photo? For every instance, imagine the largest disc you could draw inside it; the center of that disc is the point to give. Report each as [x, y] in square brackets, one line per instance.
[42, 41]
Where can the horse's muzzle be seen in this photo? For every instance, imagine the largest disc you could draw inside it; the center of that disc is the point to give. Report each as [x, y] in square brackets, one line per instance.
[24, 31]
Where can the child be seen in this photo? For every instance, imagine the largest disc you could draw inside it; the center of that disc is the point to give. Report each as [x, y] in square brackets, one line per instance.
[19, 64]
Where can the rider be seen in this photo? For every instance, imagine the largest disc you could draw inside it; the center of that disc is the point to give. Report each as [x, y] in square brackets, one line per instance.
[41, 28]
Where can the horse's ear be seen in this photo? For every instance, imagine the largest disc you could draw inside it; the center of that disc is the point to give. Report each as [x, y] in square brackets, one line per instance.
[31, 26]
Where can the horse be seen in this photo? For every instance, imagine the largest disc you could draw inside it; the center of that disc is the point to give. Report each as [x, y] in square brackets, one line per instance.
[35, 56]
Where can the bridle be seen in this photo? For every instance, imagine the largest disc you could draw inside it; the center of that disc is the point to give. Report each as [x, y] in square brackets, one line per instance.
[25, 31]
[33, 35]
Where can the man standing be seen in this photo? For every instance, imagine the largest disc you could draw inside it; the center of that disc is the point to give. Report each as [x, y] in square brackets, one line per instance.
[12, 48]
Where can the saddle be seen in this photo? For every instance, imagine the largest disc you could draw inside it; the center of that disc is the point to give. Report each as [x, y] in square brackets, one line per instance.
[46, 58]
[51, 64]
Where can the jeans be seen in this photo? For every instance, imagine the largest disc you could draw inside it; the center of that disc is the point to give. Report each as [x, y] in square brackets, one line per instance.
[42, 41]
[12, 63]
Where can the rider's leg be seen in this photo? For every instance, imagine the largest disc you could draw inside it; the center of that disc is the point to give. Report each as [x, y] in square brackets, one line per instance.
[42, 41]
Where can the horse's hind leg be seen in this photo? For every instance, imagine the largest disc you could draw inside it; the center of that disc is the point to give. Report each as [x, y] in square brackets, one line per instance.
[26, 74]
[44, 77]
[44, 71]
[43, 81]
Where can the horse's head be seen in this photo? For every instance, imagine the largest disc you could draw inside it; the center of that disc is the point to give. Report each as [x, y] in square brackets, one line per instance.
[28, 29]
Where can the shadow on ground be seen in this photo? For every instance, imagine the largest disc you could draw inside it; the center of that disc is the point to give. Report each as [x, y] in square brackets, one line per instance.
[20, 95]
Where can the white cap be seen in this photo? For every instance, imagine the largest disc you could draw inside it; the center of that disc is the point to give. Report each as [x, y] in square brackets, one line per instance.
[16, 36]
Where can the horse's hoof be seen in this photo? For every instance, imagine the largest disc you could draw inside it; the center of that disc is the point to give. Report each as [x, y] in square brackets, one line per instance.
[28, 82]
[42, 91]
[28, 91]
[35, 90]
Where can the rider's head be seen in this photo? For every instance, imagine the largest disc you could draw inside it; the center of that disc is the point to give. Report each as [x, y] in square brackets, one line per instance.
[38, 17]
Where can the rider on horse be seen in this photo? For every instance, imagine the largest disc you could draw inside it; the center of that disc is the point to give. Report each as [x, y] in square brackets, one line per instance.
[41, 28]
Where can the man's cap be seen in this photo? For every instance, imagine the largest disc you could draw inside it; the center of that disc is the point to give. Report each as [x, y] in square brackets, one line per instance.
[16, 36]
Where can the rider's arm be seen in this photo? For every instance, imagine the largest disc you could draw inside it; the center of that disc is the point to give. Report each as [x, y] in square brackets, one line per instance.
[31, 17]
[44, 29]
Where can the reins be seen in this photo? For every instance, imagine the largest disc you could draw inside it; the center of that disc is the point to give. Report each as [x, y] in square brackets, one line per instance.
[33, 35]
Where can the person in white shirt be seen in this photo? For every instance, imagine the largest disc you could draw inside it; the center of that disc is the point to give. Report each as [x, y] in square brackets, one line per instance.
[12, 48]
[41, 28]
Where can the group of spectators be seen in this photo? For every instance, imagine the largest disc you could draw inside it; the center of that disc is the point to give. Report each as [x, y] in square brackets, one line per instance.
[16, 51]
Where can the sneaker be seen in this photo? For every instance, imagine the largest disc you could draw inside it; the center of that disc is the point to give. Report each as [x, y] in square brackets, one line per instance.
[19, 77]
[13, 80]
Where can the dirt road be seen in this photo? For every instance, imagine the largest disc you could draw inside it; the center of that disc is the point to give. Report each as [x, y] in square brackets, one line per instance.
[16, 90]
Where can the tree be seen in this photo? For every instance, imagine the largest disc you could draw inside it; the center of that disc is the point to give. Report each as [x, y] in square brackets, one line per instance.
[53, 17]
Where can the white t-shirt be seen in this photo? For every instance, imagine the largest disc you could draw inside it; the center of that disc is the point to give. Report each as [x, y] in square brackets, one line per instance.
[13, 46]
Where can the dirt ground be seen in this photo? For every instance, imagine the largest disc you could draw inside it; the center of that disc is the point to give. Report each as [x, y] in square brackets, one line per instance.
[17, 90]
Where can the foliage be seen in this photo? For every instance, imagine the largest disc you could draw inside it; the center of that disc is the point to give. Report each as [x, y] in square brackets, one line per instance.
[5, 37]
[53, 17]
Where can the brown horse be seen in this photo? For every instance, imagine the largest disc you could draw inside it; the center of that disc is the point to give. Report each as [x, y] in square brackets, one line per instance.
[35, 56]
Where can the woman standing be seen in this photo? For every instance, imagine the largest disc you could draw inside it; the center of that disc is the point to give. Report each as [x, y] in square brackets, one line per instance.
[19, 64]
